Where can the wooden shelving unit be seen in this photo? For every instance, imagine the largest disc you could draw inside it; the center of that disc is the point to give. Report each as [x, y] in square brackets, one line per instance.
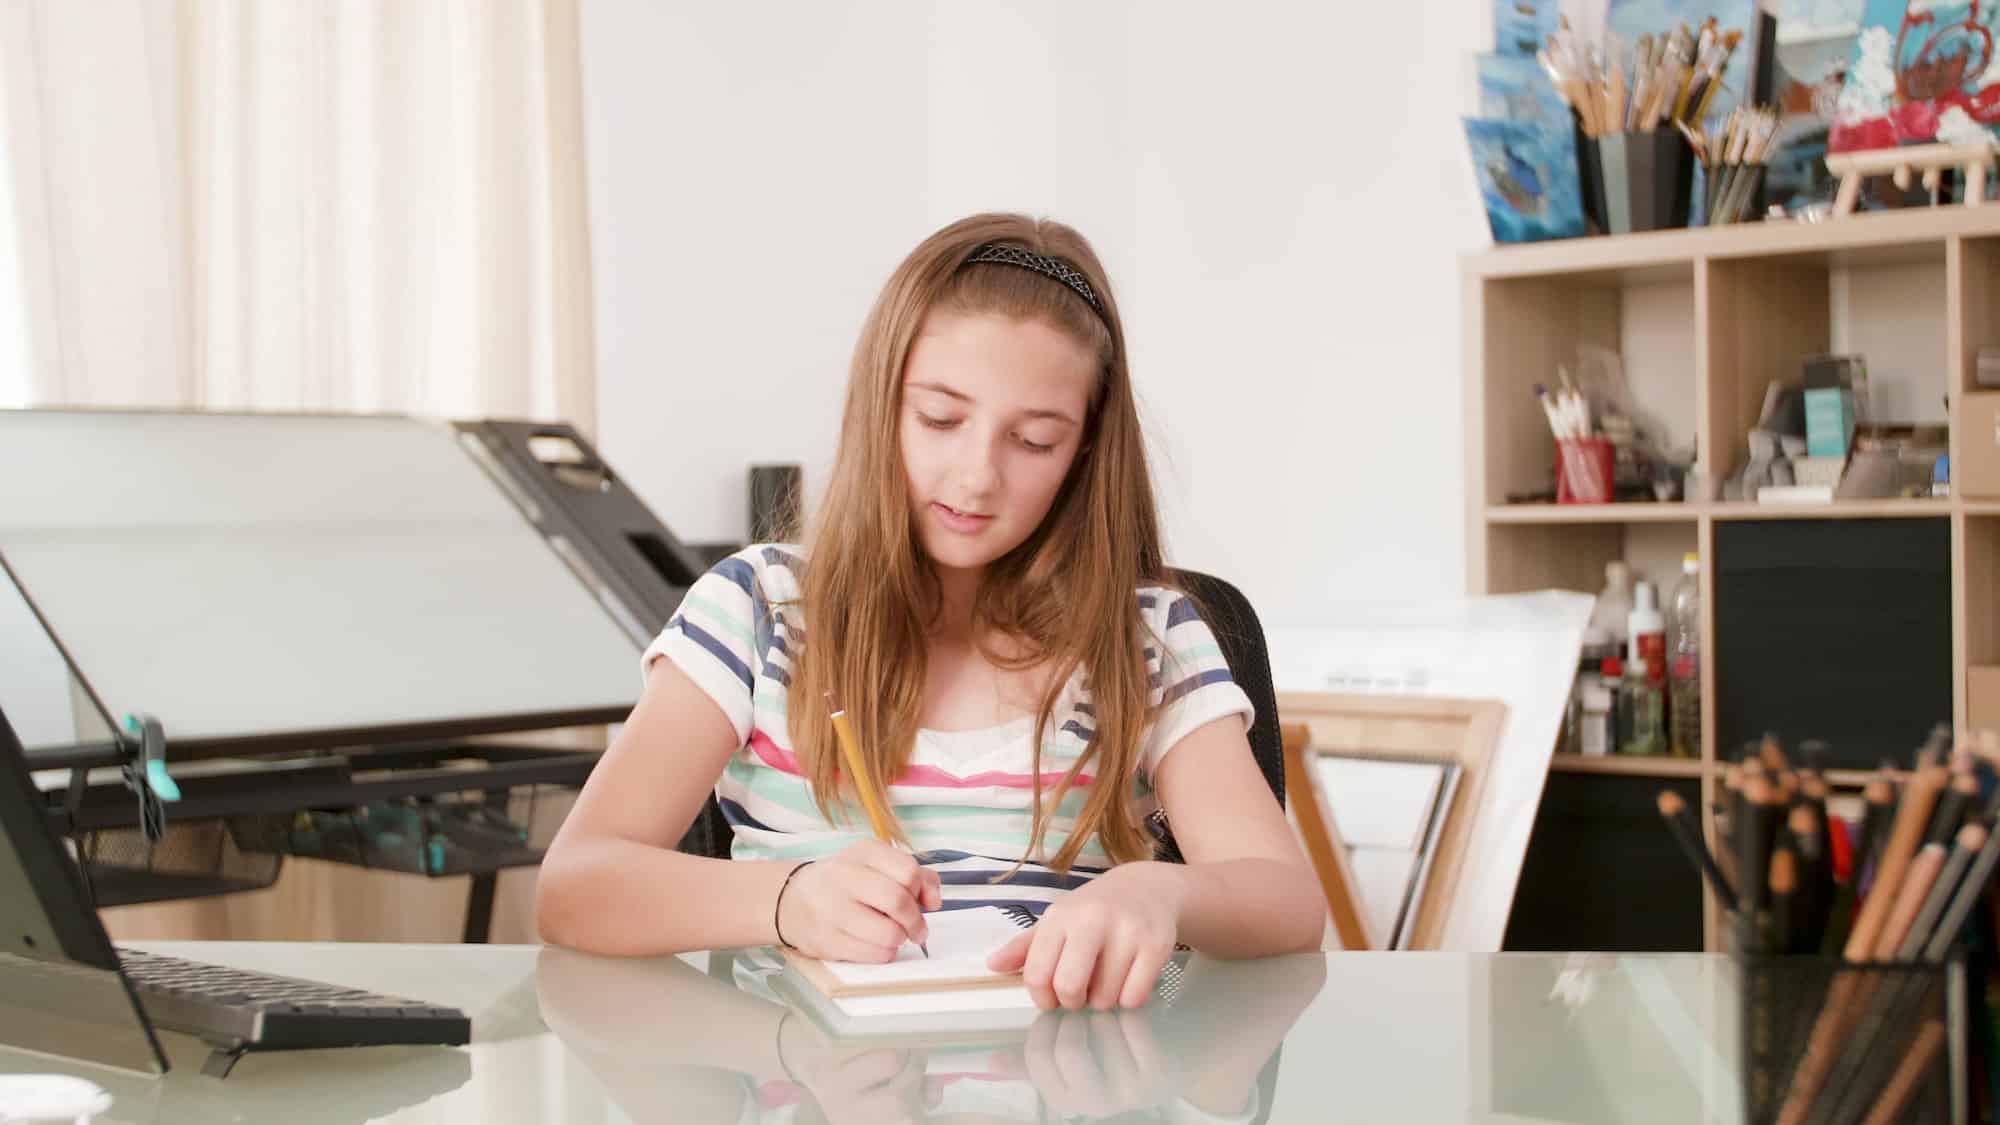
[1717, 313]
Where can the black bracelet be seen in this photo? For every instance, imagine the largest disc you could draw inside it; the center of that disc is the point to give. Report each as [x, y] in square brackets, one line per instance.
[781, 901]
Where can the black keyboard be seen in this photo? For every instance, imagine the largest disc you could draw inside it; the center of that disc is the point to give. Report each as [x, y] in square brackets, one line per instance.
[266, 1012]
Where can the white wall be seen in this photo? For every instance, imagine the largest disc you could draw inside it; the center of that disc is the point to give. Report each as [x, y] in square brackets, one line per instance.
[1279, 202]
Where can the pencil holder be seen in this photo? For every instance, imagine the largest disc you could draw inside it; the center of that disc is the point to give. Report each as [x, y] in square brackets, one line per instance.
[1647, 179]
[1734, 193]
[1584, 471]
[1825, 1041]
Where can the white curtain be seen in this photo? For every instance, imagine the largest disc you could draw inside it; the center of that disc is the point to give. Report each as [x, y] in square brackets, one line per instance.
[300, 204]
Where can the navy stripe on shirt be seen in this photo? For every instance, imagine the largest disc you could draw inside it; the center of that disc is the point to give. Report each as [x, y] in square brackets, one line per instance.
[715, 648]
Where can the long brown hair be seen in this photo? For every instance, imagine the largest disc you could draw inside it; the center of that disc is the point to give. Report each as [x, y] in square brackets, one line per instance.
[1066, 596]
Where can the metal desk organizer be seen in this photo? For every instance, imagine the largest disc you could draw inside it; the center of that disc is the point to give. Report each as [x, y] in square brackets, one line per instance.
[1828, 1040]
[233, 638]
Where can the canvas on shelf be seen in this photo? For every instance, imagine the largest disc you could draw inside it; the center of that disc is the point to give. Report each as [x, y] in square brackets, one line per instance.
[1921, 71]
[1527, 174]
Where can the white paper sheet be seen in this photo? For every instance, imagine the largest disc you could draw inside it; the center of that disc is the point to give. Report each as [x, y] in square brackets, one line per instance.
[960, 941]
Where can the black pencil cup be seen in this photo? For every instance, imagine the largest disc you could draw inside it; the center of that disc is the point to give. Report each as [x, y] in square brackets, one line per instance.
[1645, 181]
[1589, 179]
[1830, 1041]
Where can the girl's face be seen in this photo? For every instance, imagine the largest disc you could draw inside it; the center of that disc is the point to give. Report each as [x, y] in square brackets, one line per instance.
[991, 419]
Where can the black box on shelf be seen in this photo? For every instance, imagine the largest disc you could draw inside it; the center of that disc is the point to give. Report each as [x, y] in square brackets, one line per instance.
[1838, 630]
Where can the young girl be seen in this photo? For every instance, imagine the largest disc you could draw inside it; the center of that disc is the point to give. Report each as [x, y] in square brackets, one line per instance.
[983, 593]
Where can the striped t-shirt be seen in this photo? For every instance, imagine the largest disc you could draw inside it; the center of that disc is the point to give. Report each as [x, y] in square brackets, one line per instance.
[966, 799]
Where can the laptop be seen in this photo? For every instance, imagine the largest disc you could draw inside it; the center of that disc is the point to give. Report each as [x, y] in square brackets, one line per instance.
[66, 991]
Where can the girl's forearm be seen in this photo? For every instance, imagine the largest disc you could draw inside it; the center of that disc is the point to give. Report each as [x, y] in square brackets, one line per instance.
[619, 897]
[1250, 907]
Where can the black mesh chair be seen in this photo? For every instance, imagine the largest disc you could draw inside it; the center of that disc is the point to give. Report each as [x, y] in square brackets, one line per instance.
[1241, 637]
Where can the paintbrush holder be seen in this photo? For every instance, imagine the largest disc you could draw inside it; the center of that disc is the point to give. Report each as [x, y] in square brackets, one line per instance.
[1586, 471]
[1589, 178]
[1822, 1040]
[1647, 179]
[1734, 193]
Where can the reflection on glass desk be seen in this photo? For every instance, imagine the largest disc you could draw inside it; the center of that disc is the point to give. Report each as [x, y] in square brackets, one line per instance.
[1365, 1037]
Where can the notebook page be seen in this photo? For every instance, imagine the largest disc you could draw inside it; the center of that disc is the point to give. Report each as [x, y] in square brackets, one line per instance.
[960, 942]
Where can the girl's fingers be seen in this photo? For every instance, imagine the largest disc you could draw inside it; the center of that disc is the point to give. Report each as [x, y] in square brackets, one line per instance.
[880, 937]
[1044, 951]
[1011, 957]
[893, 901]
[843, 946]
[1145, 973]
[1114, 966]
[898, 866]
[1071, 980]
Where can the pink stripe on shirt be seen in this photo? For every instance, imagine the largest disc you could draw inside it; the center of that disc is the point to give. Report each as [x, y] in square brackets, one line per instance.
[920, 776]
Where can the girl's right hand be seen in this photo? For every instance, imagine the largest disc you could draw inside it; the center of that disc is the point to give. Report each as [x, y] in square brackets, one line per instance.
[861, 904]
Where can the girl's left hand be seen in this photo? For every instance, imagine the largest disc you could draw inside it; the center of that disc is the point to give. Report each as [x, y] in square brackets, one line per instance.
[1102, 945]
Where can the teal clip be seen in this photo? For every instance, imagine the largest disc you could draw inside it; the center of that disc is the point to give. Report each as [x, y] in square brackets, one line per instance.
[162, 785]
[152, 755]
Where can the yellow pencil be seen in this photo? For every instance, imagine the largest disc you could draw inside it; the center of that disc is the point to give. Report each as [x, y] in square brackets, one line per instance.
[857, 767]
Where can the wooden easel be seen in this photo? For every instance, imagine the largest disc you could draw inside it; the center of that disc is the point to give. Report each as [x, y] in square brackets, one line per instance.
[1464, 731]
[1901, 163]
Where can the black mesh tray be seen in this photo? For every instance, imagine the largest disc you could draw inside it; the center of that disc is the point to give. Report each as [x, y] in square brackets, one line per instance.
[444, 809]
[454, 834]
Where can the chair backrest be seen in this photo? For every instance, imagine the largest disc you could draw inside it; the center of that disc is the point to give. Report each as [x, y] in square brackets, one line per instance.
[1241, 637]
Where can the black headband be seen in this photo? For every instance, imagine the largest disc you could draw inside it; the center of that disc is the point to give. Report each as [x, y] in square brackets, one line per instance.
[1053, 268]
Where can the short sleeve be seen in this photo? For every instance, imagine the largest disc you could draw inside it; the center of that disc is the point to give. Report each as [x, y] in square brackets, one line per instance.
[1191, 677]
[712, 637]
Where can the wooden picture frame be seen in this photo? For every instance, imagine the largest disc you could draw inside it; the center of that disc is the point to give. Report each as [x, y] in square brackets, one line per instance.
[1395, 727]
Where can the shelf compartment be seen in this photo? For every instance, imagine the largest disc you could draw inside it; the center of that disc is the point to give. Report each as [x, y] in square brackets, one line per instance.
[1549, 556]
[1523, 332]
[1978, 563]
[1762, 318]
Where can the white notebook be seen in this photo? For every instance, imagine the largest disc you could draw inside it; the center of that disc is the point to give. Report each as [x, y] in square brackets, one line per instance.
[960, 942]
[951, 991]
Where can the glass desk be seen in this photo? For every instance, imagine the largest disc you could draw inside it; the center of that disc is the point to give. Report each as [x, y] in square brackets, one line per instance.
[1388, 1037]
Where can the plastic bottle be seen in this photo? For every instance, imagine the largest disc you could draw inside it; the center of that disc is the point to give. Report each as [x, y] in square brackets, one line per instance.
[1595, 710]
[1616, 717]
[1649, 634]
[1684, 662]
[1610, 618]
[1640, 700]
